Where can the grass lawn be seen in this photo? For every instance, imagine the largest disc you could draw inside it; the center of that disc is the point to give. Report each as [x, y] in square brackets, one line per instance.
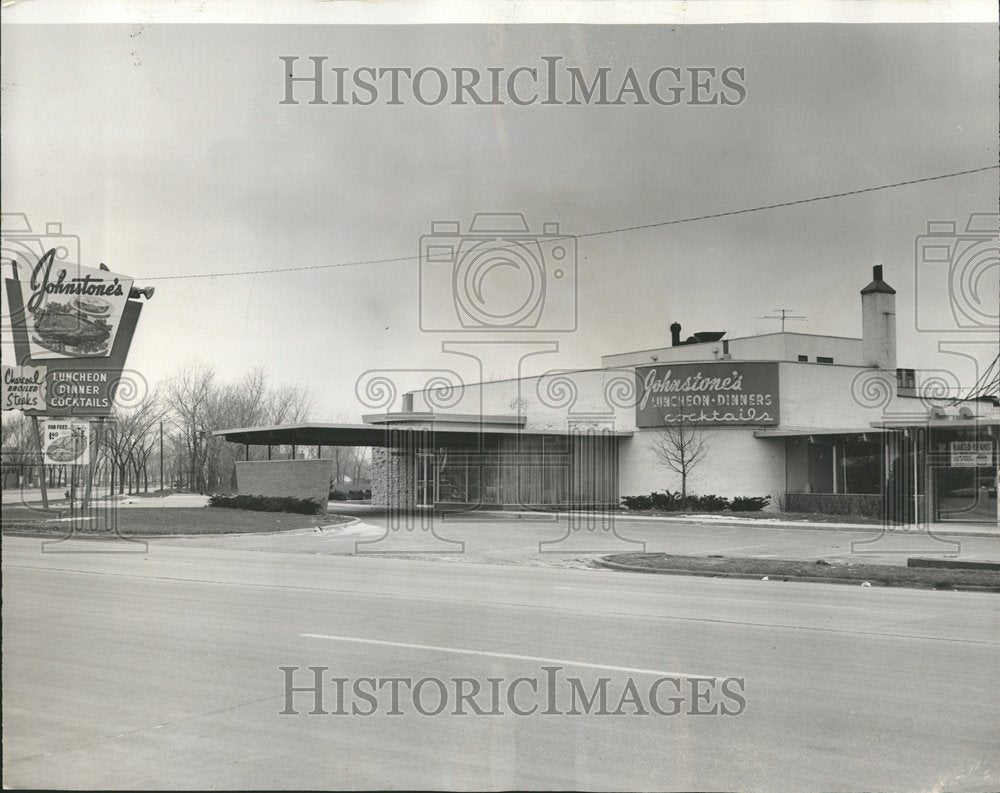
[153, 521]
[778, 569]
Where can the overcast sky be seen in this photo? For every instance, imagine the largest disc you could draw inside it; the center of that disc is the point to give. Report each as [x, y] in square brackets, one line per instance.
[165, 149]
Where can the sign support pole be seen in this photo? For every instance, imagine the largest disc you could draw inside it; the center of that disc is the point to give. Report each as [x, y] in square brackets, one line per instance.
[92, 467]
[41, 464]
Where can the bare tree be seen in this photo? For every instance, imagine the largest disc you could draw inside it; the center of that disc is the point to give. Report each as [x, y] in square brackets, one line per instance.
[290, 404]
[128, 440]
[680, 447]
[19, 453]
[201, 403]
[360, 459]
[188, 394]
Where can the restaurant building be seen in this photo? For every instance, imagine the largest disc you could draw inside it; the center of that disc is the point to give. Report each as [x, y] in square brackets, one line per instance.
[817, 423]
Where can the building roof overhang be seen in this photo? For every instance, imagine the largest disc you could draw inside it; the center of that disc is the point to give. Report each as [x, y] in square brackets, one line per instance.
[939, 423]
[374, 434]
[809, 431]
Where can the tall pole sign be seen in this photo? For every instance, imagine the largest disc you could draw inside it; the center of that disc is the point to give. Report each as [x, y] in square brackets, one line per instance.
[72, 327]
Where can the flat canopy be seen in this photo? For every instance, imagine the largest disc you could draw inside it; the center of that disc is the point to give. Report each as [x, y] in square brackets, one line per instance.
[805, 432]
[365, 434]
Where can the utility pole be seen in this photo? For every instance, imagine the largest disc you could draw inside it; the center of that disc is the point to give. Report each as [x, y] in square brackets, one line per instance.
[161, 456]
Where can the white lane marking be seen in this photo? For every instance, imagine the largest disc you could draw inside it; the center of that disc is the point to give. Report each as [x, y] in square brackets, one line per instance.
[511, 656]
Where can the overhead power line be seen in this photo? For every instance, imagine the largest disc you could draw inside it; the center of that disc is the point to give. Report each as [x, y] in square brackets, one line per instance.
[604, 232]
[985, 386]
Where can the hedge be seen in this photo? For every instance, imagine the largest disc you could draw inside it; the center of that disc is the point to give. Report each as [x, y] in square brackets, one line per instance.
[350, 495]
[668, 501]
[301, 506]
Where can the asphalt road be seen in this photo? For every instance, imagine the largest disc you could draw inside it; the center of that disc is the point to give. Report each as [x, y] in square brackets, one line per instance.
[162, 669]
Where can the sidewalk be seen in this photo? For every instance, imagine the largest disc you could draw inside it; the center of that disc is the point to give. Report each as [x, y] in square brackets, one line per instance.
[964, 529]
[958, 529]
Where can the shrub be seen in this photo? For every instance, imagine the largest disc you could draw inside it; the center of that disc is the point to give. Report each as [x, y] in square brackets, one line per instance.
[749, 503]
[709, 503]
[302, 506]
[669, 501]
[637, 502]
[350, 495]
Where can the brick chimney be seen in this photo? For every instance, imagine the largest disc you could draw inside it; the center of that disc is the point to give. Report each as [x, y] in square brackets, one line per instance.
[878, 322]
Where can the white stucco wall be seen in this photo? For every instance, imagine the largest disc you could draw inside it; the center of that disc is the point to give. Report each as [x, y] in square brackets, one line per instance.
[736, 464]
[766, 347]
[547, 402]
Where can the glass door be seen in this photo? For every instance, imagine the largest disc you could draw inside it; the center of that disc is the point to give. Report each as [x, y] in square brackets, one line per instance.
[424, 479]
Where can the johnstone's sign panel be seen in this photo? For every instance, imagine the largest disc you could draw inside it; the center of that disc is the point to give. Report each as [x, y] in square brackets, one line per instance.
[713, 393]
[71, 311]
[75, 324]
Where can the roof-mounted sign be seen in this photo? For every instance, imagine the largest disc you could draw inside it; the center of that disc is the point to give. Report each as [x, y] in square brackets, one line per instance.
[711, 394]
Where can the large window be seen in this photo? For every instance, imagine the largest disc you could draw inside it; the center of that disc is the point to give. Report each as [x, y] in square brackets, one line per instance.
[963, 474]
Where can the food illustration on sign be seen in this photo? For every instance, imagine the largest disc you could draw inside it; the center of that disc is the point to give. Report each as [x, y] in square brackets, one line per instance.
[62, 328]
[95, 306]
[72, 311]
[67, 448]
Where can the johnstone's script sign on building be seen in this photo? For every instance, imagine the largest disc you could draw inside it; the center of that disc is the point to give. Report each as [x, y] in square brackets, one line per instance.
[717, 393]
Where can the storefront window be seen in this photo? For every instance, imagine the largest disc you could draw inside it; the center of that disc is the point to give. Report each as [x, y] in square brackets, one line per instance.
[862, 467]
[964, 475]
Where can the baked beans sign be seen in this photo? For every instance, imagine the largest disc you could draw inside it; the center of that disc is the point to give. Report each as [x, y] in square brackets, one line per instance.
[971, 454]
[711, 394]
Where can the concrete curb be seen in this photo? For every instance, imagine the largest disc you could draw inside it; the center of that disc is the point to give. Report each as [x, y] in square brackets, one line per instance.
[628, 568]
[865, 528]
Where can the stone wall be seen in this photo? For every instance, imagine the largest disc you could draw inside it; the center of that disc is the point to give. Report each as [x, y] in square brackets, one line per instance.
[288, 478]
[393, 472]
